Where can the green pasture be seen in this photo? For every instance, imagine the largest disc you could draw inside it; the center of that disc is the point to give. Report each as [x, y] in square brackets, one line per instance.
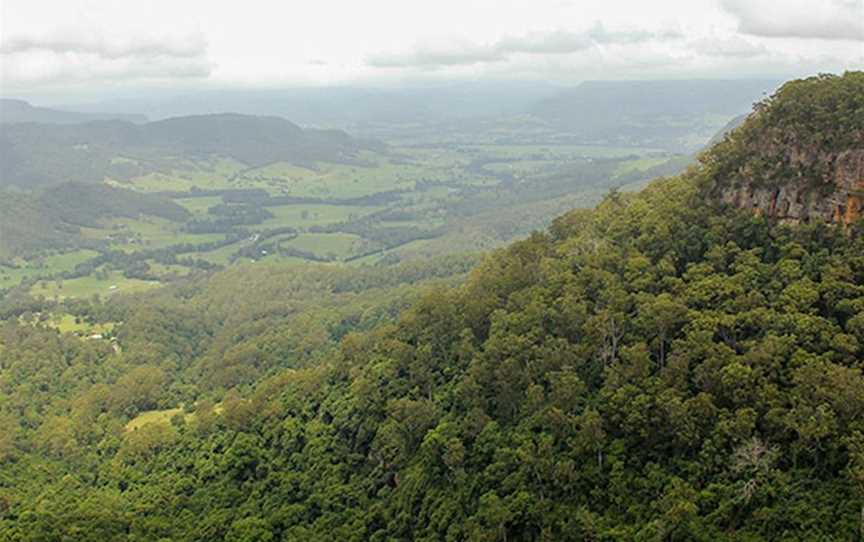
[43, 267]
[113, 284]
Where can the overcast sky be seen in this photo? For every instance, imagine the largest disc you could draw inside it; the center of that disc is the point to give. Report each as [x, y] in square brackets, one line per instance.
[98, 46]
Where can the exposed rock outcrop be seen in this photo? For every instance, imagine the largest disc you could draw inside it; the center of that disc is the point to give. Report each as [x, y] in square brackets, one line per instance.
[837, 197]
[799, 156]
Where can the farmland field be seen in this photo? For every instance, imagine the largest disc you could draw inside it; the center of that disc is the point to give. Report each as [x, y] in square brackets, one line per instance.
[84, 287]
[47, 266]
[423, 194]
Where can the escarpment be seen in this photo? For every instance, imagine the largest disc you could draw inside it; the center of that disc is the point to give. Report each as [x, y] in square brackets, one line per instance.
[799, 156]
[835, 197]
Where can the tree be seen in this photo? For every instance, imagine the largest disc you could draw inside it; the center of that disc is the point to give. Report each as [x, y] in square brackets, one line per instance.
[855, 471]
[56, 436]
[591, 436]
[661, 315]
[251, 529]
[8, 435]
[137, 390]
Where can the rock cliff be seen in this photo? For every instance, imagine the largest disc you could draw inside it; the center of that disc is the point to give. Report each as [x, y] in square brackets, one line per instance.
[836, 197]
[799, 156]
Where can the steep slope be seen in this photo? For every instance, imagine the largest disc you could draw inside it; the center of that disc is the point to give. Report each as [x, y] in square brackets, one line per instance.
[726, 130]
[801, 154]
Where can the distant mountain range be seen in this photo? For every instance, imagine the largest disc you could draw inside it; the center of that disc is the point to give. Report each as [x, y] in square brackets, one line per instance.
[33, 154]
[22, 111]
[650, 112]
[40, 146]
[577, 106]
[342, 106]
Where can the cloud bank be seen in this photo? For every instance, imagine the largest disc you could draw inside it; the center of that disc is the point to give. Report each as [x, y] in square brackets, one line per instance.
[556, 42]
[80, 57]
[110, 47]
[101, 45]
[803, 19]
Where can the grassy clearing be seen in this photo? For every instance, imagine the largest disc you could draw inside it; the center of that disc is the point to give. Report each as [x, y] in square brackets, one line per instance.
[212, 174]
[66, 323]
[43, 267]
[327, 245]
[83, 287]
[133, 234]
[220, 256]
[154, 416]
[304, 216]
[198, 206]
[346, 181]
[164, 417]
[179, 181]
[165, 271]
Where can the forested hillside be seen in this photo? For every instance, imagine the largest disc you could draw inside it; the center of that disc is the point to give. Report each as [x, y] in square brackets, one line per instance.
[663, 367]
[31, 224]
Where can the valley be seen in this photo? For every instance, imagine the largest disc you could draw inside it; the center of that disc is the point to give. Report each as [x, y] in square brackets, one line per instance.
[404, 201]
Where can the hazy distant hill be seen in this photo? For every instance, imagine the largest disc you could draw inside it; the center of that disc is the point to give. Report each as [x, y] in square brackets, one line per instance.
[675, 115]
[21, 111]
[347, 106]
[38, 154]
[651, 112]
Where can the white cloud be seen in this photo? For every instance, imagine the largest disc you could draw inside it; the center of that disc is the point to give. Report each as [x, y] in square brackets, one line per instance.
[107, 46]
[556, 42]
[805, 19]
[97, 43]
[77, 58]
[49, 46]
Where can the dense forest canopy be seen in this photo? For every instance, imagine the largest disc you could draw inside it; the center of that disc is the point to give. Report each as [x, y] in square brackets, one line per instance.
[662, 367]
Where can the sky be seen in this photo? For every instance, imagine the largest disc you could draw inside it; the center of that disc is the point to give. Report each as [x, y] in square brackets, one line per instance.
[93, 47]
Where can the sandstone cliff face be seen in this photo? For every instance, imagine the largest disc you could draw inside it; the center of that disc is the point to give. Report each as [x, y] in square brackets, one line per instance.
[828, 187]
[799, 156]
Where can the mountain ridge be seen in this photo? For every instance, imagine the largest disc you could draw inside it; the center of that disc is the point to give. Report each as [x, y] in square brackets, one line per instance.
[40, 154]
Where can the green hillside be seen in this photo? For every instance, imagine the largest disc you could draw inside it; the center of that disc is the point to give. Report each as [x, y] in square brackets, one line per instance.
[664, 367]
[34, 224]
